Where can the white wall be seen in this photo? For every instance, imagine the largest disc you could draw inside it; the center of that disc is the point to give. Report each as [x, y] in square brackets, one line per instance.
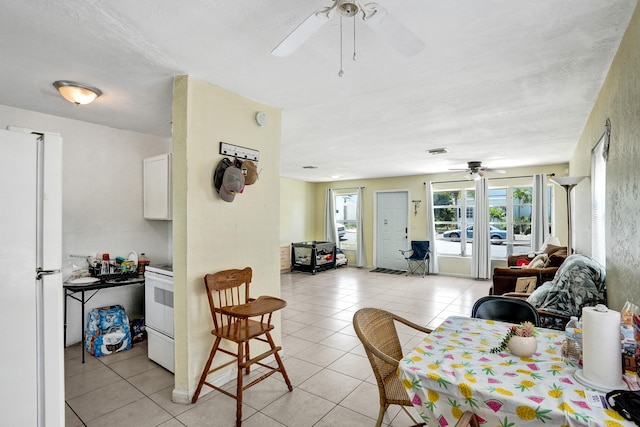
[102, 199]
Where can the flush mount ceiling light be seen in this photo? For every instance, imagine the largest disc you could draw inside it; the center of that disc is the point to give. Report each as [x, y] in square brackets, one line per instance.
[437, 151]
[77, 93]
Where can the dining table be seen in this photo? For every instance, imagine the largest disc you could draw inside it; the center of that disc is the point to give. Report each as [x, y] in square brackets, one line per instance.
[454, 370]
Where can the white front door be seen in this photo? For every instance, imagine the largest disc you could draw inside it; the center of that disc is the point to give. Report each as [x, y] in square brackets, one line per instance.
[391, 229]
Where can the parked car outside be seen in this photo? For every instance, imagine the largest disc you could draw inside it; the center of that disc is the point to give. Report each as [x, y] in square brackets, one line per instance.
[341, 230]
[494, 233]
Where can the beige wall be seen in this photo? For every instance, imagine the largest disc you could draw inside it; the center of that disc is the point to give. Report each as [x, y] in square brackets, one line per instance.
[619, 100]
[297, 211]
[417, 223]
[212, 235]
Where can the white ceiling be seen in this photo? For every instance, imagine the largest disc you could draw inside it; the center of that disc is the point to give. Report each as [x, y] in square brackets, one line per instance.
[510, 83]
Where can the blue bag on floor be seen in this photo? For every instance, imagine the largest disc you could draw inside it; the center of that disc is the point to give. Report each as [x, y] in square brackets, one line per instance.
[107, 331]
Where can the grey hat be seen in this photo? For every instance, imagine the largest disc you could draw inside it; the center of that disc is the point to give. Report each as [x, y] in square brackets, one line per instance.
[232, 183]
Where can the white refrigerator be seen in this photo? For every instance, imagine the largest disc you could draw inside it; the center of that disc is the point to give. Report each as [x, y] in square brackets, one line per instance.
[31, 317]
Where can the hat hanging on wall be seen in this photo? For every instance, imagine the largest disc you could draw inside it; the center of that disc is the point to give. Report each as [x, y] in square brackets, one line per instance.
[218, 174]
[232, 183]
[250, 172]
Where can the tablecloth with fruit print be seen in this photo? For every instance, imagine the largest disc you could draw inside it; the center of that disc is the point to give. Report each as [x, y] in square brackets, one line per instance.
[453, 371]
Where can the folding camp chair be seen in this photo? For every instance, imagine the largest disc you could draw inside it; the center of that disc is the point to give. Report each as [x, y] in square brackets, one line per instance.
[417, 257]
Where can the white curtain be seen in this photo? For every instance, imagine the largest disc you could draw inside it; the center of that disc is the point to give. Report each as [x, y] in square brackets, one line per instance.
[539, 216]
[481, 259]
[330, 230]
[361, 259]
[431, 229]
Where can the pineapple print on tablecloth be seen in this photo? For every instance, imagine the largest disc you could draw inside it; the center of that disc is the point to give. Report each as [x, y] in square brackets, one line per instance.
[432, 397]
[555, 392]
[435, 365]
[409, 384]
[555, 370]
[466, 392]
[470, 376]
[525, 385]
[529, 414]
[437, 378]
[455, 409]
[500, 390]
[564, 406]
[616, 416]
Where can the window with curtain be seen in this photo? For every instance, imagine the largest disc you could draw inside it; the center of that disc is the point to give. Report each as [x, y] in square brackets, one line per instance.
[346, 219]
[453, 211]
[598, 197]
[510, 210]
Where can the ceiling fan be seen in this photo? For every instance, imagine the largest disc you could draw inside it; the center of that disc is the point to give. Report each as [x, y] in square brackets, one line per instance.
[476, 171]
[374, 15]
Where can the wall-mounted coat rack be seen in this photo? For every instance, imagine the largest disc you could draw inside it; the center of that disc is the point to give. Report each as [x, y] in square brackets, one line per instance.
[242, 153]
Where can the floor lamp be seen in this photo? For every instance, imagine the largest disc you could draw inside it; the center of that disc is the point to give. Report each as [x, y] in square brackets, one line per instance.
[568, 182]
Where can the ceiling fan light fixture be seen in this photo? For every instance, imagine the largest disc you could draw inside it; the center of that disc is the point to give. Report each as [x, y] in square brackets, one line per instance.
[347, 8]
[77, 93]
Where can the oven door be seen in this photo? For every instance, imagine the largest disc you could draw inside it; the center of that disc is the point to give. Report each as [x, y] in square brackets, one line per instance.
[158, 295]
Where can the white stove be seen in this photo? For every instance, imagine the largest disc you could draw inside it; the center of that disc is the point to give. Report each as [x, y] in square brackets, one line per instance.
[158, 297]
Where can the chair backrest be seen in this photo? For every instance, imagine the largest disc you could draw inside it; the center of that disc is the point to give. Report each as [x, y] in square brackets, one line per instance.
[505, 309]
[226, 288]
[420, 249]
[376, 329]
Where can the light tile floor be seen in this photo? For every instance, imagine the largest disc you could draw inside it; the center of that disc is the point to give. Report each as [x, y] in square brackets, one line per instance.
[332, 379]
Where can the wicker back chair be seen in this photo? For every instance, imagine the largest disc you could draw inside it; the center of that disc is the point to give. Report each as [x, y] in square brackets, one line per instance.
[240, 319]
[377, 332]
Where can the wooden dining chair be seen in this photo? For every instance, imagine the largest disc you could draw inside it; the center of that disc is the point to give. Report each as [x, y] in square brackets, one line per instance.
[377, 331]
[240, 319]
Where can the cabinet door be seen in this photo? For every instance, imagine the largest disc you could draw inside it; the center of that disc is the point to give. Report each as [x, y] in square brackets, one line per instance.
[157, 187]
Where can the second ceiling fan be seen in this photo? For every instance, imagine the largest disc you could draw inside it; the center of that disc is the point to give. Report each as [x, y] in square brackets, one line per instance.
[476, 171]
[374, 15]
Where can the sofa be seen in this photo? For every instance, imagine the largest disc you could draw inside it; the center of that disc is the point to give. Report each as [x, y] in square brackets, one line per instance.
[546, 265]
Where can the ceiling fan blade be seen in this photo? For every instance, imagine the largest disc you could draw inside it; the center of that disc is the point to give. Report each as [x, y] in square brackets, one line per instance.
[495, 170]
[398, 36]
[301, 34]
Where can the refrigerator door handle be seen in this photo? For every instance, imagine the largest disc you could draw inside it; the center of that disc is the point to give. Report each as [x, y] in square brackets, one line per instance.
[40, 272]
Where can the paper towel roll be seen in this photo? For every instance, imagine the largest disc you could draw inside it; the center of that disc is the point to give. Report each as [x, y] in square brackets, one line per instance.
[601, 356]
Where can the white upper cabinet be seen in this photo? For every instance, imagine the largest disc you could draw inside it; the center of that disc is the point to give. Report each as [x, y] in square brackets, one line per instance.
[157, 187]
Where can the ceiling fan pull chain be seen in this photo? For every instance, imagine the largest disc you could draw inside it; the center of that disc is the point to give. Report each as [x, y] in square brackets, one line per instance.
[354, 37]
[341, 72]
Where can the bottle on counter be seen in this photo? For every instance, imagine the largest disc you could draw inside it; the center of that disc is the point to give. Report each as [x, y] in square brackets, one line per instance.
[573, 340]
[143, 261]
[104, 266]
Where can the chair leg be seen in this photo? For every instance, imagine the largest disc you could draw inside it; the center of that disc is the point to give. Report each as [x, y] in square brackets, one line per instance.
[381, 412]
[241, 366]
[205, 371]
[280, 364]
[247, 357]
